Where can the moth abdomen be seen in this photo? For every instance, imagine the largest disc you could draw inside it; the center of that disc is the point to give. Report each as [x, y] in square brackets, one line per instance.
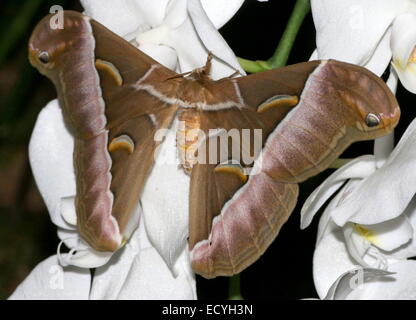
[188, 138]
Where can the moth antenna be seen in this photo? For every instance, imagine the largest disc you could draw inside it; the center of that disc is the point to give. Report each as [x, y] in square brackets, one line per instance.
[180, 75]
[234, 74]
[208, 64]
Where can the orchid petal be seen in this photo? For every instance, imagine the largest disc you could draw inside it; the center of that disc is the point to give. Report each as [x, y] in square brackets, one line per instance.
[213, 41]
[351, 279]
[162, 54]
[201, 35]
[403, 38]
[50, 154]
[148, 269]
[180, 40]
[109, 278]
[220, 11]
[68, 211]
[165, 202]
[121, 17]
[351, 31]
[409, 249]
[385, 194]
[176, 13]
[330, 261]
[390, 235]
[175, 31]
[83, 256]
[358, 168]
[89, 258]
[80, 254]
[364, 242]
[403, 43]
[361, 250]
[314, 55]
[378, 62]
[138, 272]
[381, 56]
[127, 16]
[326, 224]
[69, 237]
[398, 286]
[154, 36]
[49, 281]
[153, 12]
[407, 76]
[383, 146]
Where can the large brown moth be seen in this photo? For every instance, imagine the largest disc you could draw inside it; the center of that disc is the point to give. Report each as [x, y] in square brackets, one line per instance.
[115, 99]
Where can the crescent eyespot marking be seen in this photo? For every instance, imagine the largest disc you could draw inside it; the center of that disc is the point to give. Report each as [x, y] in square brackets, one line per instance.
[232, 167]
[280, 100]
[111, 69]
[123, 142]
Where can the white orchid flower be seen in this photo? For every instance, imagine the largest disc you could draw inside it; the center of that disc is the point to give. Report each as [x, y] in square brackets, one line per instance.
[177, 33]
[369, 226]
[374, 256]
[368, 33]
[371, 222]
[154, 264]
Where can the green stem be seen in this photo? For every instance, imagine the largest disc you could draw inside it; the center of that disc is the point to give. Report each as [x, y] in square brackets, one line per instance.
[282, 52]
[234, 292]
[279, 59]
[281, 55]
[18, 27]
[253, 66]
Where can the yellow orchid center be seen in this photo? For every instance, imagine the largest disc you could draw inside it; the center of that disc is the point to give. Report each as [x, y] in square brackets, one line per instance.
[412, 58]
[367, 234]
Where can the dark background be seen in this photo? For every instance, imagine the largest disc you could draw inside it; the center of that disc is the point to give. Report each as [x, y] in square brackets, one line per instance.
[27, 236]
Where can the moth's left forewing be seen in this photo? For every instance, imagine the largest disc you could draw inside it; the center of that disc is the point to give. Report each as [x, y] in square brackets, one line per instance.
[128, 79]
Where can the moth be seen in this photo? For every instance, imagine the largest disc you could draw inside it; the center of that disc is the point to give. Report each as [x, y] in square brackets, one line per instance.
[115, 99]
